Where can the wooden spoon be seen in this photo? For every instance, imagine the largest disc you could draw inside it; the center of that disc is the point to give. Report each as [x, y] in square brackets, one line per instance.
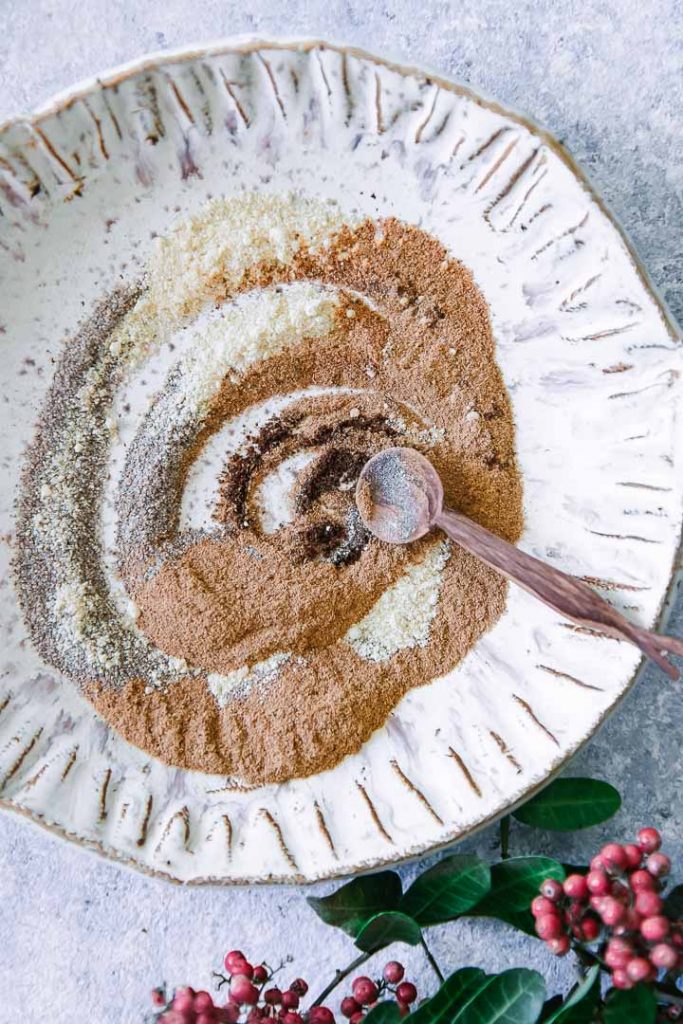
[400, 498]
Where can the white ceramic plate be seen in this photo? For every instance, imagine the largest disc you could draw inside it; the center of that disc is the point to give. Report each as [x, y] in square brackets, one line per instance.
[588, 353]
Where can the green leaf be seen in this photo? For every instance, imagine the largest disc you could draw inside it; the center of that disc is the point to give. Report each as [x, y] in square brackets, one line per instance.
[471, 997]
[514, 883]
[579, 1006]
[356, 902]
[447, 890]
[384, 1013]
[455, 992]
[569, 804]
[383, 929]
[513, 997]
[673, 903]
[626, 1006]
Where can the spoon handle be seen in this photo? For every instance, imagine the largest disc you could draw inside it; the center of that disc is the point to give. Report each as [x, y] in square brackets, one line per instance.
[566, 594]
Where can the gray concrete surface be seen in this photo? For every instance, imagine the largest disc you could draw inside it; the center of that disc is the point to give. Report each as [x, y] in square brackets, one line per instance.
[84, 940]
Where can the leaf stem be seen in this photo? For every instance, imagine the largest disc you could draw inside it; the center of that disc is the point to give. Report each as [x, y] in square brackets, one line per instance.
[432, 962]
[339, 976]
[505, 837]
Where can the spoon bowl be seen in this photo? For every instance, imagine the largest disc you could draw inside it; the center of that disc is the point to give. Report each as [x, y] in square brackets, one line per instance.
[399, 495]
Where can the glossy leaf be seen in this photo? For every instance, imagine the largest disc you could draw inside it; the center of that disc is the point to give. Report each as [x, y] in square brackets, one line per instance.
[386, 1012]
[352, 905]
[513, 997]
[673, 903]
[383, 929]
[579, 1006]
[447, 890]
[626, 1006]
[569, 804]
[471, 997]
[455, 992]
[514, 883]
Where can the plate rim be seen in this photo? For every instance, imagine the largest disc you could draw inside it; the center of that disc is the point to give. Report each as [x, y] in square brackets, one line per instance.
[247, 44]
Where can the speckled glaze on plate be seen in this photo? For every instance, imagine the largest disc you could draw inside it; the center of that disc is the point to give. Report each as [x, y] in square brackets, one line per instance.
[589, 354]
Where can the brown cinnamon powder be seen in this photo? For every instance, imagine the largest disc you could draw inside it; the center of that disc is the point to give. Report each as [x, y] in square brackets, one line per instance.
[421, 362]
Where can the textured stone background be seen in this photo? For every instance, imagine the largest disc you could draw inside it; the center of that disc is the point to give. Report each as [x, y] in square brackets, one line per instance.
[83, 939]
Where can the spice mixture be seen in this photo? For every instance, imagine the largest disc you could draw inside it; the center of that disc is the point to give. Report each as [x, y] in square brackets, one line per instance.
[271, 640]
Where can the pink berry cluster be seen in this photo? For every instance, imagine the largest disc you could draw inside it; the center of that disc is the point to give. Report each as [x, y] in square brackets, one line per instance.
[365, 992]
[252, 999]
[619, 903]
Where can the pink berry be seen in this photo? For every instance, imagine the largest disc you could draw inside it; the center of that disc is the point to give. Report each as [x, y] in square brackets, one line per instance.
[663, 955]
[559, 946]
[612, 911]
[230, 1012]
[620, 979]
[299, 986]
[242, 990]
[549, 926]
[357, 1017]
[292, 1018]
[403, 1009]
[183, 1000]
[175, 1017]
[638, 969]
[272, 996]
[235, 956]
[542, 905]
[575, 887]
[256, 1014]
[614, 857]
[158, 997]
[618, 953]
[202, 1002]
[349, 1006]
[641, 880]
[205, 1018]
[260, 974]
[677, 937]
[654, 929]
[290, 1000]
[364, 990]
[648, 903]
[649, 840]
[634, 855]
[658, 865]
[551, 889]
[393, 971]
[323, 1015]
[590, 929]
[406, 992]
[598, 883]
[597, 863]
[223, 1015]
